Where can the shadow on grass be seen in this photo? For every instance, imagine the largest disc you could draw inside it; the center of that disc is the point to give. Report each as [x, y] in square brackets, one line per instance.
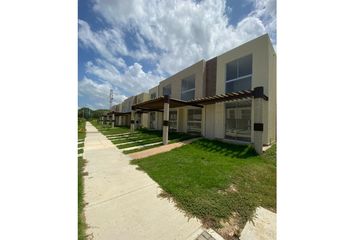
[226, 149]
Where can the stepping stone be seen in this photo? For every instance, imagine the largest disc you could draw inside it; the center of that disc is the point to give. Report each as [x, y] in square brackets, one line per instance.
[141, 146]
[122, 137]
[120, 134]
[120, 144]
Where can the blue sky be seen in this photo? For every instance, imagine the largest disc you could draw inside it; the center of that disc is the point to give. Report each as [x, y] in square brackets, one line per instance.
[129, 46]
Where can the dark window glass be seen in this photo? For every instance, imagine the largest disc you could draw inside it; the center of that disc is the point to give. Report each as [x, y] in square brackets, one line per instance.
[244, 66]
[152, 120]
[187, 92]
[166, 90]
[194, 124]
[194, 114]
[231, 70]
[153, 96]
[239, 85]
[238, 120]
[188, 83]
[236, 72]
[173, 121]
[186, 96]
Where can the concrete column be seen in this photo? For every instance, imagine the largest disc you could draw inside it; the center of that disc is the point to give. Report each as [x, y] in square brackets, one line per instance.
[113, 120]
[166, 116]
[101, 120]
[132, 121]
[258, 119]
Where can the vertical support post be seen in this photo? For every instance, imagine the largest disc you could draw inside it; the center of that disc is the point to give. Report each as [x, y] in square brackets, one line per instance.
[258, 119]
[166, 116]
[132, 121]
[113, 120]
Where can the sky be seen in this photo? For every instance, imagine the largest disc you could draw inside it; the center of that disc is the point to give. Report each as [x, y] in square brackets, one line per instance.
[130, 46]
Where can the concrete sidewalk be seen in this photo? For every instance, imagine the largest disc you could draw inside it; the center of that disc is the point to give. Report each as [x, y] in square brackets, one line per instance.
[123, 202]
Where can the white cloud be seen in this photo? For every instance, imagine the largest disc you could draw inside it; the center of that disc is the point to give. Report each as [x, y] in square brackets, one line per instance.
[130, 80]
[170, 34]
[96, 95]
[265, 10]
[186, 31]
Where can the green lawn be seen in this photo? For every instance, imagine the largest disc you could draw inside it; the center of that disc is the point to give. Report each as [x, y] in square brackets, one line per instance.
[148, 136]
[81, 129]
[81, 203]
[213, 180]
[107, 129]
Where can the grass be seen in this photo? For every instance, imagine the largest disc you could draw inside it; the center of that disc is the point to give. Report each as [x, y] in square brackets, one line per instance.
[141, 149]
[214, 181]
[148, 136]
[173, 138]
[107, 129]
[81, 203]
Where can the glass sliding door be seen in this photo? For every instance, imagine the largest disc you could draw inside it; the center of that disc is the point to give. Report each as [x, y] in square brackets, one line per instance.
[173, 121]
[238, 120]
[194, 123]
[152, 120]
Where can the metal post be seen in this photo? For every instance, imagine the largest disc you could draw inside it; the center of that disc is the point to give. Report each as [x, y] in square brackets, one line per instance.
[132, 121]
[166, 116]
[258, 119]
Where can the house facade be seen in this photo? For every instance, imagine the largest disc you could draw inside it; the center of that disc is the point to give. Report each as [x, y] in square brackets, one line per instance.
[205, 87]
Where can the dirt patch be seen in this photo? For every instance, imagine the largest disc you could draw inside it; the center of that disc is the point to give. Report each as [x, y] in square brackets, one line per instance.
[231, 189]
[230, 229]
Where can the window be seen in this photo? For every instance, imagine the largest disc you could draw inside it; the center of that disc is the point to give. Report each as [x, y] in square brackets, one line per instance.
[152, 95]
[194, 122]
[188, 88]
[166, 90]
[173, 121]
[238, 120]
[152, 120]
[239, 74]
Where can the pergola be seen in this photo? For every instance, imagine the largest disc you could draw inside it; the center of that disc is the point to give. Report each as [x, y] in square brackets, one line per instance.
[163, 104]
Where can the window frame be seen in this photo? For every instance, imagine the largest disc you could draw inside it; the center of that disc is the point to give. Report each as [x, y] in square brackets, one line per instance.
[153, 94]
[194, 121]
[167, 86]
[235, 105]
[189, 90]
[237, 71]
[173, 120]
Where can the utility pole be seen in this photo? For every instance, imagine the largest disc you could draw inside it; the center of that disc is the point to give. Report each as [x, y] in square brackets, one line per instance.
[110, 99]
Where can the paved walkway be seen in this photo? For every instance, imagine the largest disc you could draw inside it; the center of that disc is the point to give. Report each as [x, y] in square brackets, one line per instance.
[262, 226]
[123, 202]
[161, 149]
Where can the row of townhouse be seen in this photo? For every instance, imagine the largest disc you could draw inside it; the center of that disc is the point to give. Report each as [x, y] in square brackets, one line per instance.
[231, 97]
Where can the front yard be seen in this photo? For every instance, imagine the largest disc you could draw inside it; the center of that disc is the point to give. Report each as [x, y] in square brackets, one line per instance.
[215, 181]
[140, 139]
